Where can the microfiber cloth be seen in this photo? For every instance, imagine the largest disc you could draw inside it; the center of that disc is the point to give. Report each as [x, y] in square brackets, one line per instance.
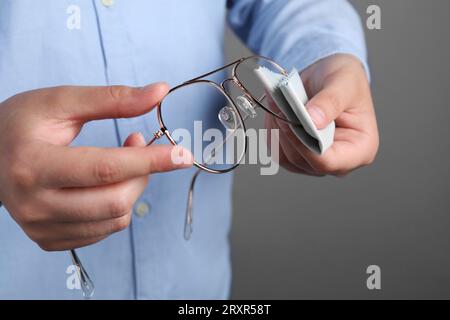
[290, 96]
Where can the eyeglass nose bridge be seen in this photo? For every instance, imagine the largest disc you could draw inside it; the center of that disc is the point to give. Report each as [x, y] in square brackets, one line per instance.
[244, 101]
[228, 118]
[246, 105]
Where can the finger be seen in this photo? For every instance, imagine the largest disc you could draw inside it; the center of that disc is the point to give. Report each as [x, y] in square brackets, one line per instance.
[310, 157]
[63, 231]
[93, 103]
[337, 94]
[294, 142]
[68, 244]
[135, 140]
[293, 157]
[88, 166]
[289, 157]
[285, 162]
[93, 203]
[347, 152]
[271, 124]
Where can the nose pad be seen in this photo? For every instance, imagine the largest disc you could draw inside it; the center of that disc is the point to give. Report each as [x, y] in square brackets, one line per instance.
[246, 105]
[228, 118]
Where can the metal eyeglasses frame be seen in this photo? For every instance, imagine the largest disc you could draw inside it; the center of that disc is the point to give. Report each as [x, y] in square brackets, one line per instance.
[222, 88]
[86, 283]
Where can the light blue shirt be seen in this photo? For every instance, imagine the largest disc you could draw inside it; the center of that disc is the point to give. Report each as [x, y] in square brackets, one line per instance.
[135, 43]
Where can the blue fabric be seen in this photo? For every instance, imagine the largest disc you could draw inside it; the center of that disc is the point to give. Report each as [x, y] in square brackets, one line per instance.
[135, 43]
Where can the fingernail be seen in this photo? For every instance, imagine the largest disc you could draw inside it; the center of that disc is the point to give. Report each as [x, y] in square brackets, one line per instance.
[140, 136]
[317, 115]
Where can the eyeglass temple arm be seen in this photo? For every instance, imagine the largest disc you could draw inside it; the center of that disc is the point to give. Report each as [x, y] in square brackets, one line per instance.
[189, 207]
[190, 202]
[87, 285]
[188, 223]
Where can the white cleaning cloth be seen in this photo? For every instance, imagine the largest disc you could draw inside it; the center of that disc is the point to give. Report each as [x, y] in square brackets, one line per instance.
[290, 96]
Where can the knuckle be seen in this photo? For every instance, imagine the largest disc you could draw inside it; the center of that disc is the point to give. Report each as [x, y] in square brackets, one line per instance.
[121, 223]
[118, 92]
[22, 176]
[57, 98]
[106, 172]
[119, 206]
[334, 105]
[59, 93]
[54, 95]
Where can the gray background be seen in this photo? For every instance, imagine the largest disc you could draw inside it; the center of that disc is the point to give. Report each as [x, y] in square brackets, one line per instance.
[298, 237]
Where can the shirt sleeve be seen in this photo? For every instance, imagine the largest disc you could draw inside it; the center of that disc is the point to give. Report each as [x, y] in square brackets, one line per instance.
[298, 32]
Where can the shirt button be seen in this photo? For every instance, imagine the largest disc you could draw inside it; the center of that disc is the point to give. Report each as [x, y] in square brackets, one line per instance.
[107, 3]
[142, 208]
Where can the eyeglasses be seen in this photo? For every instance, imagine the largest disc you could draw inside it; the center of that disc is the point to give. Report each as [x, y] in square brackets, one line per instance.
[223, 144]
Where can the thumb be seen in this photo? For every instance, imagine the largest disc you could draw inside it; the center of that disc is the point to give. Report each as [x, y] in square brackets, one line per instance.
[326, 106]
[94, 103]
[135, 140]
